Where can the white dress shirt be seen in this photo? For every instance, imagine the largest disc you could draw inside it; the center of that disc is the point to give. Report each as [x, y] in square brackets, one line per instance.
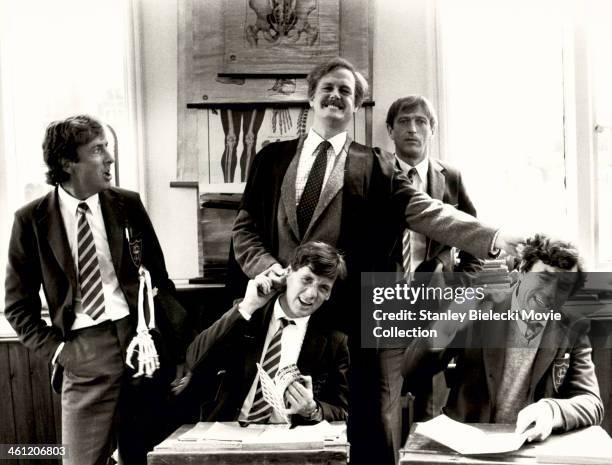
[291, 346]
[308, 156]
[115, 305]
[418, 242]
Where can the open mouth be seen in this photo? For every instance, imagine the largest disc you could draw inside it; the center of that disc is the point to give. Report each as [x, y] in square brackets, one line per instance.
[335, 105]
[304, 304]
[107, 176]
[540, 302]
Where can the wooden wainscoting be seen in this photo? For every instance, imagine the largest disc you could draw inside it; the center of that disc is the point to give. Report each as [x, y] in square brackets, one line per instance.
[30, 413]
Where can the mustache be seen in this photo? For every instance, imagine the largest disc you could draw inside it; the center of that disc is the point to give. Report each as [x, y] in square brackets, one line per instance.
[333, 101]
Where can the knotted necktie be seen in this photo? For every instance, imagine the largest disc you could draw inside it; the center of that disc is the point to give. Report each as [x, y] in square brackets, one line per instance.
[90, 277]
[260, 410]
[406, 252]
[312, 190]
[532, 330]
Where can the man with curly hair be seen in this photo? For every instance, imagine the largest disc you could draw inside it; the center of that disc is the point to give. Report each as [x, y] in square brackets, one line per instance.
[83, 243]
[531, 371]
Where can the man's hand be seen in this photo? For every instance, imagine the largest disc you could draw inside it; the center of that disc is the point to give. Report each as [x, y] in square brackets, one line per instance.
[275, 270]
[300, 398]
[512, 244]
[260, 289]
[181, 380]
[536, 420]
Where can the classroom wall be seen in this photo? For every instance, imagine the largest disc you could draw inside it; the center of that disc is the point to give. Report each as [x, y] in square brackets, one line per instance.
[404, 63]
[172, 210]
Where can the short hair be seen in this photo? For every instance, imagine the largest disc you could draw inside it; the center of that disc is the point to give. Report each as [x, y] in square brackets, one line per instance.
[553, 252]
[315, 75]
[321, 258]
[62, 138]
[409, 103]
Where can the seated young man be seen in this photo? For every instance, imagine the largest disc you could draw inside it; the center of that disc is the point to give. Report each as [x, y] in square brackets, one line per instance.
[537, 374]
[275, 325]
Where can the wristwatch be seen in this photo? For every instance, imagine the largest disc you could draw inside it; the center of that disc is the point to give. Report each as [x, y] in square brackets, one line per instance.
[314, 415]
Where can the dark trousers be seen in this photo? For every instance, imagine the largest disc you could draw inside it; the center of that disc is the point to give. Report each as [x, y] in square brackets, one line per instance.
[103, 407]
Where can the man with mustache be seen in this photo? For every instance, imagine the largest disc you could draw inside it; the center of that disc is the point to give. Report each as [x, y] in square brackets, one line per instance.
[83, 243]
[327, 187]
[535, 373]
[411, 124]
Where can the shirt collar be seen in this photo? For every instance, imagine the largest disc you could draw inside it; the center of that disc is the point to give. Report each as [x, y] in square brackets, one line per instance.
[280, 313]
[71, 204]
[337, 142]
[422, 167]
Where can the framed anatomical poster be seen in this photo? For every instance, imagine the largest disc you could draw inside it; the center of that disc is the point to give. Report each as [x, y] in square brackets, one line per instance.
[279, 37]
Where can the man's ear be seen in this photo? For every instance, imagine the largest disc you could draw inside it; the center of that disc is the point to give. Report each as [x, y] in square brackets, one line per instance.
[67, 165]
[389, 129]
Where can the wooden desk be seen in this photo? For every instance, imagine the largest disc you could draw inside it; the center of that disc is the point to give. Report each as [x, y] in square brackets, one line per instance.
[172, 451]
[586, 446]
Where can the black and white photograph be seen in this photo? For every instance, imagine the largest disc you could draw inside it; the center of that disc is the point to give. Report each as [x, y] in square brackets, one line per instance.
[305, 231]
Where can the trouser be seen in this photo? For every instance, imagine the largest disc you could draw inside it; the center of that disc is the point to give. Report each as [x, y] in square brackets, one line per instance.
[91, 390]
[390, 392]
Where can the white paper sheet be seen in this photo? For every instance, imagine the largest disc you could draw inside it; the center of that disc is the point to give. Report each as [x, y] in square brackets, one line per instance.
[468, 440]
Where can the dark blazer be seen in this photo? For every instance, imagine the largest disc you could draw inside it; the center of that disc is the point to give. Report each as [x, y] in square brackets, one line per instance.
[39, 254]
[444, 183]
[474, 384]
[223, 360]
[361, 208]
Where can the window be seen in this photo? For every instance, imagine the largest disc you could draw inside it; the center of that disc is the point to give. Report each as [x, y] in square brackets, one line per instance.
[510, 79]
[58, 59]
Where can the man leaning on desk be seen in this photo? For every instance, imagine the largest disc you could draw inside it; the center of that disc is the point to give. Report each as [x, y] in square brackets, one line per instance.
[275, 325]
[537, 374]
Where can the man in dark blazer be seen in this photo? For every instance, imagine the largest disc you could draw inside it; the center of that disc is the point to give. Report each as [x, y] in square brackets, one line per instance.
[541, 378]
[411, 124]
[363, 201]
[83, 243]
[223, 357]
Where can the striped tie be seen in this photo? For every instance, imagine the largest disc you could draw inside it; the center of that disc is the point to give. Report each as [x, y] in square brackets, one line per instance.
[406, 252]
[260, 410]
[92, 295]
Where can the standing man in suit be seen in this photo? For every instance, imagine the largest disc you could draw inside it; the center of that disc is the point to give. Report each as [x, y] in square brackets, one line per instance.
[83, 243]
[277, 329]
[327, 187]
[534, 372]
[411, 123]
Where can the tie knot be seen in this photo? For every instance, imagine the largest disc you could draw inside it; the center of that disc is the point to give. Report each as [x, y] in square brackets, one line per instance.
[82, 208]
[284, 322]
[533, 329]
[411, 175]
[323, 147]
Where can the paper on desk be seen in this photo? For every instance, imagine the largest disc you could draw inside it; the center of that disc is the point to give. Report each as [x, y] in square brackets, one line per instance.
[468, 440]
[230, 432]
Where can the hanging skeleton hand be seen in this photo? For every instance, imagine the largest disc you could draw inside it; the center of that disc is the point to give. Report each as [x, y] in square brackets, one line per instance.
[142, 345]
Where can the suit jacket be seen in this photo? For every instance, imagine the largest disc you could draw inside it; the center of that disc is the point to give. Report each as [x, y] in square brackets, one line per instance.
[39, 255]
[562, 369]
[360, 209]
[444, 183]
[223, 359]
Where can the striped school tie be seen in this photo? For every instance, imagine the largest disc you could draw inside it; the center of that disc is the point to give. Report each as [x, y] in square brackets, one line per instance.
[90, 278]
[260, 410]
[406, 252]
